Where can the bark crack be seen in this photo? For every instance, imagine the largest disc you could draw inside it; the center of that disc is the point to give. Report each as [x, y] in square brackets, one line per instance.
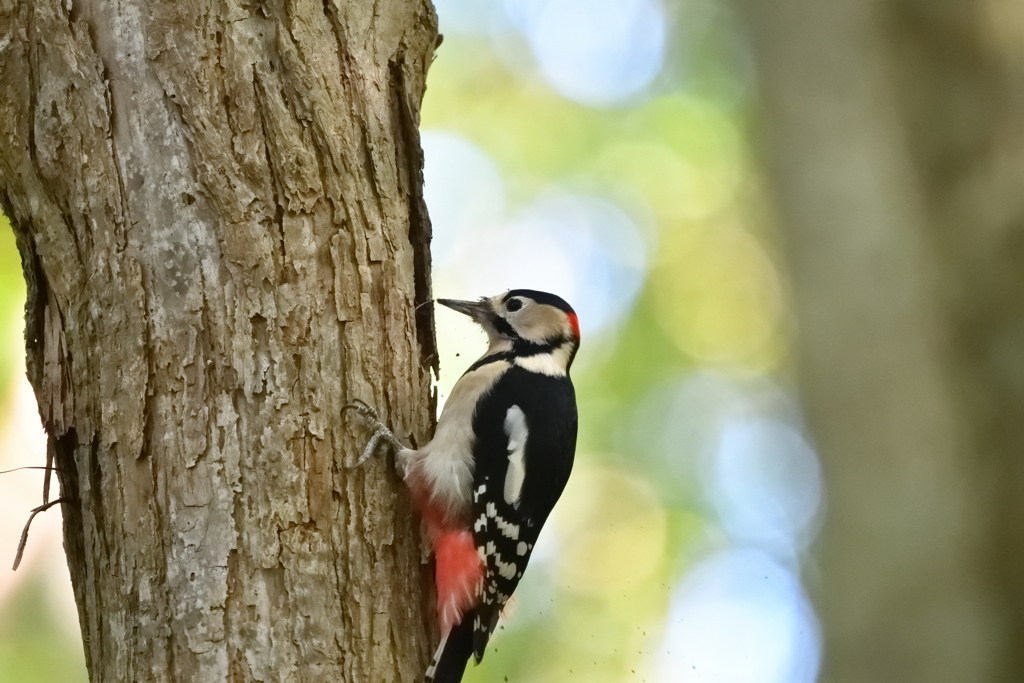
[275, 181]
[409, 150]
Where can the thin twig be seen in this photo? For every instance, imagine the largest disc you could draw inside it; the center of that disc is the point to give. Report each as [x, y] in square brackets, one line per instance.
[24, 534]
[31, 467]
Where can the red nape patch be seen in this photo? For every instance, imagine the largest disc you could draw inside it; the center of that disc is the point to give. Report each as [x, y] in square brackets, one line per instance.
[574, 321]
[460, 572]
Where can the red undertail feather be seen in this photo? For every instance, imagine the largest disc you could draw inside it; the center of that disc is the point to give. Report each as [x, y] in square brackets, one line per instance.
[459, 575]
[459, 570]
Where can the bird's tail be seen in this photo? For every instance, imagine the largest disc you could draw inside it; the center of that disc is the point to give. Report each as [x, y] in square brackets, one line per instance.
[452, 654]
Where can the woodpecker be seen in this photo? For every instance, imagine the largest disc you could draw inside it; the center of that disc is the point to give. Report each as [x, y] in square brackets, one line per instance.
[498, 462]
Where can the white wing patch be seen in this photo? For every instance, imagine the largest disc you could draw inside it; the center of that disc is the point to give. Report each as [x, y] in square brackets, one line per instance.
[517, 433]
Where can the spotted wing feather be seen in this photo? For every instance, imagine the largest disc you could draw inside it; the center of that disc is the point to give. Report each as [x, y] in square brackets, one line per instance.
[540, 410]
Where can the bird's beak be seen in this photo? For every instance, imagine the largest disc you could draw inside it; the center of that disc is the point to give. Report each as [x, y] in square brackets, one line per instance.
[477, 310]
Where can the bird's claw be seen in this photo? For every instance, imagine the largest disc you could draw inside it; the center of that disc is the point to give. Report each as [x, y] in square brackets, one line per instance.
[380, 431]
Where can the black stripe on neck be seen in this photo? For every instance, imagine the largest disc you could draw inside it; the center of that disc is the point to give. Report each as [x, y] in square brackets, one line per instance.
[521, 348]
[487, 360]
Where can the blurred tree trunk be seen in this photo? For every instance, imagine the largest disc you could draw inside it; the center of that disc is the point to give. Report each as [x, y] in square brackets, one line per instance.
[220, 215]
[895, 134]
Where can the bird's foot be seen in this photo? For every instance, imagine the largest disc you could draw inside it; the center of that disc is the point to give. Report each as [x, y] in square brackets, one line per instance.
[381, 434]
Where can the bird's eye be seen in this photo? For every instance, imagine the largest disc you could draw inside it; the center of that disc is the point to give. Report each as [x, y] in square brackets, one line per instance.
[514, 305]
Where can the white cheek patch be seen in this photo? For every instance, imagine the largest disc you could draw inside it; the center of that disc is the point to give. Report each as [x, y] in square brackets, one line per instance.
[517, 433]
[537, 322]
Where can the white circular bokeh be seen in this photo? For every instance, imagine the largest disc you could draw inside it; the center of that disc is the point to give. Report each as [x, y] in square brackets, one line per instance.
[582, 248]
[766, 484]
[740, 617]
[473, 17]
[462, 187]
[596, 52]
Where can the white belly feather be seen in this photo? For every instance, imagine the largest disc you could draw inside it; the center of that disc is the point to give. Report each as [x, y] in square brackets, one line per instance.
[446, 463]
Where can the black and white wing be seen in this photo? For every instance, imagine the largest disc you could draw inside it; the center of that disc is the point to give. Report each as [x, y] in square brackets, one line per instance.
[526, 440]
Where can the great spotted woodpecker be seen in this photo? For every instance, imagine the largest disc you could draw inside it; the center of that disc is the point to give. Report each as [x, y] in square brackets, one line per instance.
[498, 462]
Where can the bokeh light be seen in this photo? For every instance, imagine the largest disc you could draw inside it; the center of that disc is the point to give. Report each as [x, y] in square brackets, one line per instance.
[614, 530]
[740, 617]
[718, 296]
[22, 441]
[596, 52]
[469, 16]
[584, 247]
[597, 149]
[679, 540]
[462, 187]
[766, 485]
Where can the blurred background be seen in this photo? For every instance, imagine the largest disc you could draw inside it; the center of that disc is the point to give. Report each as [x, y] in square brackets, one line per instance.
[600, 149]
[612, 152]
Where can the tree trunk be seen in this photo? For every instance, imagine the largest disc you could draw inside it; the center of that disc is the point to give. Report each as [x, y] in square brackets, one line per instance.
[220, 214]
[896, 134]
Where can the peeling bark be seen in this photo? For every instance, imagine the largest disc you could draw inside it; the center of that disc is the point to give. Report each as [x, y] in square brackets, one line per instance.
[219, 210]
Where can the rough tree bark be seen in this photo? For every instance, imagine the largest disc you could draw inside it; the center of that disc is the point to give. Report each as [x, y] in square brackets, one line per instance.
[895, 129]
[219, 210]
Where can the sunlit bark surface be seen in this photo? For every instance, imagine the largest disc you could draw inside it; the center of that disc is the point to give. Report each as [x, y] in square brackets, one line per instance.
[895, 134]
[220, 213]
